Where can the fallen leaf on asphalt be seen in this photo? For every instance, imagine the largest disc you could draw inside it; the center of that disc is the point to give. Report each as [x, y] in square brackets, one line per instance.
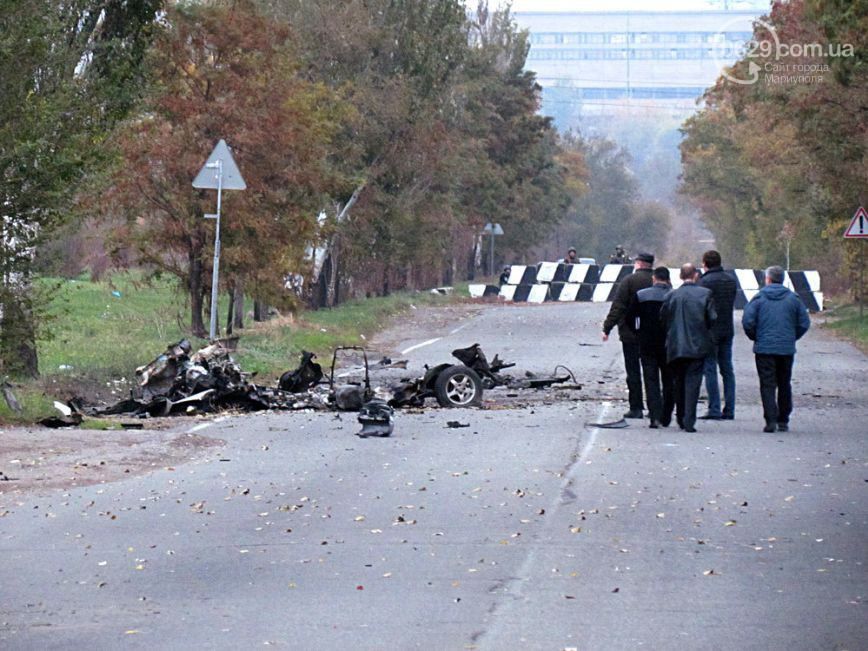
[359, 518]
[661, 515]
[132, 632]
[576, 529]
[790, 498]
[729, 523]
[569, 596]
[360, 587]
[710, 573]
[617, 590]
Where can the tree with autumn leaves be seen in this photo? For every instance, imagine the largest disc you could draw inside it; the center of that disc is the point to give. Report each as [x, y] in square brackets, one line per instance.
[376, 137]
[224, 71]
[771, 163]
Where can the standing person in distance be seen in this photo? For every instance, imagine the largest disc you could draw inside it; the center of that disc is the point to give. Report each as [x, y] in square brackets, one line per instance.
[774, 320]
[571, 257]
[723, 290]
[688, 315]
[659, 381]
[639, 279]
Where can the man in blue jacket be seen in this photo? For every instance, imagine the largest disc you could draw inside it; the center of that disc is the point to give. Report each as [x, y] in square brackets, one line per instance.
[774, 319]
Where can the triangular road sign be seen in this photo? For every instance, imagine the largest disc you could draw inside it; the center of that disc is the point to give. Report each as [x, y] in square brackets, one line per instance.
[859, 226]
[207, 176]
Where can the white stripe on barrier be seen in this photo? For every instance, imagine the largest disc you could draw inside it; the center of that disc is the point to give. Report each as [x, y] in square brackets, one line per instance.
[578, 273]
[476, 291]
[516, 273]
[610, 273]
[570, 292]
[675, 278]
[819, 297]
[788, 283]
[601, 292]
[750, 293]
[508, 291]
[538, 294]
[546, 272]
[746, 279]
[813, 278]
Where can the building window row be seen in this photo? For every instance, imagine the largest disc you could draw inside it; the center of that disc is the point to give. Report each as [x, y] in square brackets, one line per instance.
[622, 38]
[622, 54]
[557, 95]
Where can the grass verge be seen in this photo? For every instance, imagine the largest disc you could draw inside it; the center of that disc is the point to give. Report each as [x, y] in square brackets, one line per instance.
[845, 321]
[102, 331]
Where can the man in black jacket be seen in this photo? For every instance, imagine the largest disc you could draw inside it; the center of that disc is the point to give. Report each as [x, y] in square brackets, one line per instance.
[645, 314]
[723, 290]
[639, 279]
[688, 314]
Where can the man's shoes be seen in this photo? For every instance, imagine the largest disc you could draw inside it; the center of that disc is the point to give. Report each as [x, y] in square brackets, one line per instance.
[654, 424]
[783, 427]
[634, 413]
[692, 430]
[710, 417]
[727, 417]
[665, 422]
[770, 427]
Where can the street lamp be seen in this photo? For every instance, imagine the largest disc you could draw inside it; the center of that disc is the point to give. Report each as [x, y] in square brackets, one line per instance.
[492, 229]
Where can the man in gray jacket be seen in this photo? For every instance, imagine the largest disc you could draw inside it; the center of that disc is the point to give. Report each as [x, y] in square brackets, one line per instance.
[774, 319]
[688, 315]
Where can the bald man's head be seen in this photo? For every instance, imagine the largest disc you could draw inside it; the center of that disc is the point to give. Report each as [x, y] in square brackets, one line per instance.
[688, 272]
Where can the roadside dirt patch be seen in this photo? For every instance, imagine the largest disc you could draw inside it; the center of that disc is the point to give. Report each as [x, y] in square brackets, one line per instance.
[35, 459]
[423, 322]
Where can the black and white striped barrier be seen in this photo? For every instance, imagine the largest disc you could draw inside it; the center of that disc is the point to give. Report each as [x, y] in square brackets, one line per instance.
[566, 283]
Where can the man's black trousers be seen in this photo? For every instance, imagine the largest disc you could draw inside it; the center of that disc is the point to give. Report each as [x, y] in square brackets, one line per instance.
[775, 373]
[688, 379]
[659, 384]
[634, 374]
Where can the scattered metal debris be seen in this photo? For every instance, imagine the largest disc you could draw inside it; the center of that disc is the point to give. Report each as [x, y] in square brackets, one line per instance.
[305, 377]
[615, 424]
[377, 419]
[182, 382]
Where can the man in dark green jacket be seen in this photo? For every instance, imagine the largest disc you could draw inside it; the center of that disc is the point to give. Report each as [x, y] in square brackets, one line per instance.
[639, 279]
[774, 320]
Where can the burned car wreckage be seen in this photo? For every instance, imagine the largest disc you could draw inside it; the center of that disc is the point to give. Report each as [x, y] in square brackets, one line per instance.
[180, 381]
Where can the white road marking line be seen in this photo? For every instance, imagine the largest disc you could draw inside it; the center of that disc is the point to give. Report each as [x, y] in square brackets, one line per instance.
[459, 328]
[199, 427]
[515, 585]
[424, 343]
[592, 439]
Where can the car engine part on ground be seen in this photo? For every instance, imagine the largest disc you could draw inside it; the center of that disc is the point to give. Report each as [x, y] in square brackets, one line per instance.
[377, 419]
[305, 377]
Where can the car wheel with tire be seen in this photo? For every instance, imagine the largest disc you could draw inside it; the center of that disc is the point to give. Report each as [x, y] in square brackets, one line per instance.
[458, 386]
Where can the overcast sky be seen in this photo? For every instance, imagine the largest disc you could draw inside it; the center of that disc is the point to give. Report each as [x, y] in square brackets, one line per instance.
[617, 5]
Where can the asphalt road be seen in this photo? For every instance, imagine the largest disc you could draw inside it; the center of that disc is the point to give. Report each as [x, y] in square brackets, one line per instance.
[526, 530]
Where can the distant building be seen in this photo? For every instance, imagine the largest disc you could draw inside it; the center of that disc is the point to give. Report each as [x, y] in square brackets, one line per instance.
[605, 61]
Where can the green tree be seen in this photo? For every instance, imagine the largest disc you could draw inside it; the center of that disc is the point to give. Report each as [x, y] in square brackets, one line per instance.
[69, 71]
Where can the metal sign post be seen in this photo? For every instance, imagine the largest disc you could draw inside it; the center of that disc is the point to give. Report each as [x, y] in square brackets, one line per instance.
[858, 229]
[219, 172]
[492, 230]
